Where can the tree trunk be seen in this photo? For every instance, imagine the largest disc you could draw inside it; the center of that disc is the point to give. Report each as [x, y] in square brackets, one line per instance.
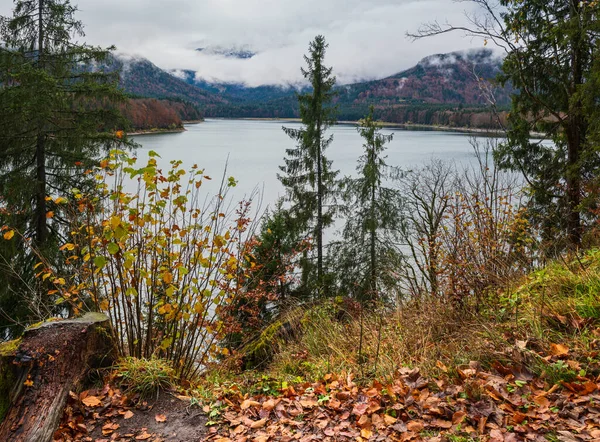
[50, 361]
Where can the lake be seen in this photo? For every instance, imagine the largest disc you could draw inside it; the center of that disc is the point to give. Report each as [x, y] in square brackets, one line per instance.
[253, 150]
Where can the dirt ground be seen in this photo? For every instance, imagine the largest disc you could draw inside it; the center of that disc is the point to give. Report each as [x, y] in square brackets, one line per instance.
[166, 419]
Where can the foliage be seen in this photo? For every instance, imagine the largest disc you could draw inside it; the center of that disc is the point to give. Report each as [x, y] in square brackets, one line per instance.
[367, 258]
[307, 174]
[551, 47]
[467, 231]
[148, 114]
[56, 118]
[551, 69]
[270, 285]
[159, 264]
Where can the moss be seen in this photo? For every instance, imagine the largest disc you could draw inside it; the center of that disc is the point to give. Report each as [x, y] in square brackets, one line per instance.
[263, 348]
[10, 347]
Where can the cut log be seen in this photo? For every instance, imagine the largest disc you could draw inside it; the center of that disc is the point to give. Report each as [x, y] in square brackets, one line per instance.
[50, 360]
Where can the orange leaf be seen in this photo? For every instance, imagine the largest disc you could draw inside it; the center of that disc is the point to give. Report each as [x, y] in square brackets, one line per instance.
[160, 418]
[8, 235]
[415, 426]
[249, 403]
[50, 214]
[92, 401]
[558, 350]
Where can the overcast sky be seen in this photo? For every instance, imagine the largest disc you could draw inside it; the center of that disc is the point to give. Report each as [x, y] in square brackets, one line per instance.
[366, 37]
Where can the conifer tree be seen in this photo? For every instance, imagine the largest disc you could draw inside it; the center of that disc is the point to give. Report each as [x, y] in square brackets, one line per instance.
[369, 253]
[307, 173]
[57, 115]
[551, 46]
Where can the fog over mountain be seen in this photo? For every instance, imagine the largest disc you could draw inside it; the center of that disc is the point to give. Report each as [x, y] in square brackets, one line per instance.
[367, 39]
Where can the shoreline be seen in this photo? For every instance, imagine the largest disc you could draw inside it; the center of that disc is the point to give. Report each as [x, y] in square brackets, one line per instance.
[387, 124]
[165, 131]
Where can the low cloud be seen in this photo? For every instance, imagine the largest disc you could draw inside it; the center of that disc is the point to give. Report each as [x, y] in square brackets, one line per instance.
[366, 39]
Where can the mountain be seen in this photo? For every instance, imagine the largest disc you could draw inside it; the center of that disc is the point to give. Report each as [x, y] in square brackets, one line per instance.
[454, 78]
[241, 52]
[442, 89]
[142, 78]
[235, 92]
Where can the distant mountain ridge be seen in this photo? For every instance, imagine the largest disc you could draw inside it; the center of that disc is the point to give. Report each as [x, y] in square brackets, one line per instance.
[434, 91]
[241, 53]
[454, 78]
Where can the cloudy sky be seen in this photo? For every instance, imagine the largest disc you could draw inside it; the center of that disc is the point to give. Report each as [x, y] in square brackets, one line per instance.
[366, 37]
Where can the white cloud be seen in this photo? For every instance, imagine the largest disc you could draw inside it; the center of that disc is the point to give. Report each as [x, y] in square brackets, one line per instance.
[366, 38]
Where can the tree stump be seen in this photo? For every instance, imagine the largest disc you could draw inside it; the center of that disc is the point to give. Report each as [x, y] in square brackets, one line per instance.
[49, 361]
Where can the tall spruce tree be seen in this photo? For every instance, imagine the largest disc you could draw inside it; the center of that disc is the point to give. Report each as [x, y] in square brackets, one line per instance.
[551, 46]
[369, 255]
[57, 116]
[307, 173]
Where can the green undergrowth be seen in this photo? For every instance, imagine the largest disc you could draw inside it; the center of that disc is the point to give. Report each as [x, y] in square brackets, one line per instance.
[146, 377]
[557, 305]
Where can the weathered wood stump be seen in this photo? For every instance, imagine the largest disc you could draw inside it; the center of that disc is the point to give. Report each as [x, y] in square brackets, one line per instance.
[49, 361]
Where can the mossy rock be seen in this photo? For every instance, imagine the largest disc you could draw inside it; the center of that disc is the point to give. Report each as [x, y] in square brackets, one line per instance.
[261, 350]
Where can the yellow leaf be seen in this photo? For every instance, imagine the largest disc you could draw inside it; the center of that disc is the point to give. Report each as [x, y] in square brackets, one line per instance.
[8, 235]
[115, 221]
[167, 278]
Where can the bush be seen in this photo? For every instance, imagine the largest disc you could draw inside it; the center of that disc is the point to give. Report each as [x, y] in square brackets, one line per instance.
[157, 262]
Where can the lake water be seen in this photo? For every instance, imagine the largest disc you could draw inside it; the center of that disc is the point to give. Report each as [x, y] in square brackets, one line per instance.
[254, 150]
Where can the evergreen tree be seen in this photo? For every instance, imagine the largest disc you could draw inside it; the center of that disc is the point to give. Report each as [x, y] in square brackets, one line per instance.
[307, 173]
[57, 116]
[551, 46]
[368, 256]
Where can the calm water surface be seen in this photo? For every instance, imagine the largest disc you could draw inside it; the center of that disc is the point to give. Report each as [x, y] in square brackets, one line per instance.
[254, 150]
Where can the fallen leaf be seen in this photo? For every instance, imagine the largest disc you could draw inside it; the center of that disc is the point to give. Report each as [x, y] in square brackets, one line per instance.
[91, 401]
[160, 418]
[249, 403]
[258, 424]
[128, 414]
[144, 436]
[558, 350]
[415, 426]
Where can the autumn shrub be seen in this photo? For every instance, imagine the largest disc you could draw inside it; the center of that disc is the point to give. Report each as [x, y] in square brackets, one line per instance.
[467, 232]
[162, 262]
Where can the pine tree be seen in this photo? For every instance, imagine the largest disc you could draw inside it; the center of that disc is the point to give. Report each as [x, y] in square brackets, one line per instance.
[369, 253]
[551, 46]
[58, 114]
[307, 173]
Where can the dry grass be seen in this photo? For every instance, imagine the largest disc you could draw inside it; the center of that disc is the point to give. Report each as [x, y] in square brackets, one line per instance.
[559, 304]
